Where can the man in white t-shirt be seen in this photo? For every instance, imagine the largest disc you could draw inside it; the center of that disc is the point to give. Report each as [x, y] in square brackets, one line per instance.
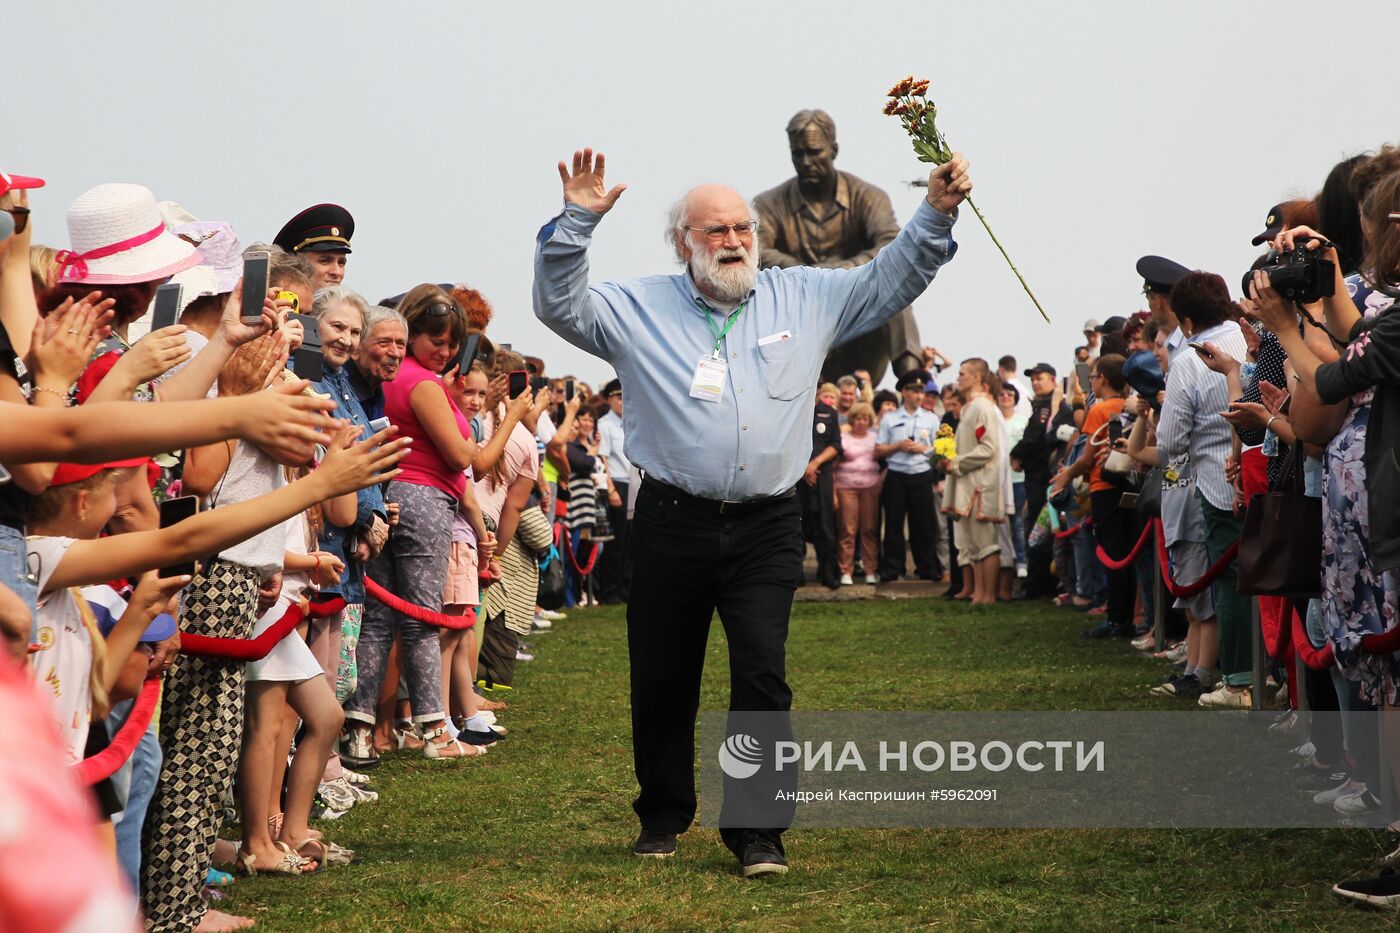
[615, 570]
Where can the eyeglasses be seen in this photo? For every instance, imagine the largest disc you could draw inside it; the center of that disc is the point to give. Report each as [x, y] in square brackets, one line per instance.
[719, 231]
[21, 216]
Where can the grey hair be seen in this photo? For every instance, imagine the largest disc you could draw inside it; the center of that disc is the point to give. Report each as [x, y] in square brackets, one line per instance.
[378, 314]
[818, 118]
[333, 296]
[677, 219]
[847, 381]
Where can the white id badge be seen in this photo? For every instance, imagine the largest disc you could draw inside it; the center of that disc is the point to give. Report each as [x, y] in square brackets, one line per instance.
[708, 382]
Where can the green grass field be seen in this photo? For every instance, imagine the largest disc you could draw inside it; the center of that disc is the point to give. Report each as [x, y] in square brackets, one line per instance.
[536, 835]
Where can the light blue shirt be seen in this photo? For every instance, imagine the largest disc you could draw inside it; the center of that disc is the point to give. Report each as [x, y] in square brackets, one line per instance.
[755, 441]
[1190, 422]
[900, 425]
[613, 446]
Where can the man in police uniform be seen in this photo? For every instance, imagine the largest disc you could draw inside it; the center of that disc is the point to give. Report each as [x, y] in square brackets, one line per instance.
[721, 364]
[1159, 274]
[817, 492]
[321, 234]
[904, 441]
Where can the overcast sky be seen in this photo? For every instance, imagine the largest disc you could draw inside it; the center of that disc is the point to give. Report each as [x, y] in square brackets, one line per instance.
[1097, 132]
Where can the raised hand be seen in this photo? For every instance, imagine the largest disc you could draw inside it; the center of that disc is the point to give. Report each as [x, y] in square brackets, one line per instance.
[585, 187]
[1272, 396]
[285, 423]
[352, 467]
[949, 184]
[63, 342]
[231, 327]
[153, 355]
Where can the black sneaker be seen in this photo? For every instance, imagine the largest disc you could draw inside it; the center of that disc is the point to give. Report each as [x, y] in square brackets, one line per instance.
[1107, 630]
[1189, 688]
[1310, 780]
[479, 736]
[652, 843]
[1381, 891]
[761, 857]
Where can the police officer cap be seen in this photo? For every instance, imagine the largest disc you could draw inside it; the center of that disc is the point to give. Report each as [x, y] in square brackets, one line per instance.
[614, 387]
[1159, 274]
[323, 228]
[915, 377]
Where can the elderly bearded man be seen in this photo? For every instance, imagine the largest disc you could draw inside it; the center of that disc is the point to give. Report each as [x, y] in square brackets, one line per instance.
[720, 364]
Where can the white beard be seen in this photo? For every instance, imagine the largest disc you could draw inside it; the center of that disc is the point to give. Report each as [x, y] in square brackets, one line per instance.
[728, 282]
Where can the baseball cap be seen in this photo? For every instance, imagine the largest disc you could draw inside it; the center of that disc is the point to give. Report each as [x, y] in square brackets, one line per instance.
[1040, 368]
[1091, 324]
[77, 472]
[9, 182]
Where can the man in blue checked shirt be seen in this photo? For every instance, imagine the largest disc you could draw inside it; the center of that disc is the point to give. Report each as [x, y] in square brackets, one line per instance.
[721, 365]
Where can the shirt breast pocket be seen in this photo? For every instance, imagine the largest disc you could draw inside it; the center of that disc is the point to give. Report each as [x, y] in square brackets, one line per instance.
[784, 369]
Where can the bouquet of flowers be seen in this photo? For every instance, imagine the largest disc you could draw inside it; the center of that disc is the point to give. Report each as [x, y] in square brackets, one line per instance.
[909, 101]
[945, 445]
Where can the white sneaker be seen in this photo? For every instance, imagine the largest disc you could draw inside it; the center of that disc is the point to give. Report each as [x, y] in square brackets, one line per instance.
[541, 624]
[1022, 571]
[522, 656]
[1358, 804]
[354, 777]
[1326, 798]
[1306, 750]
[846, 580]
[872, 580]
[1145, 642]
[549, 615]
[1222, 697]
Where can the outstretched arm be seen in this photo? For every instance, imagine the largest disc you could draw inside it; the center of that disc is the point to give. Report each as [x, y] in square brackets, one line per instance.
[280, 419]
[869, 295]
[345, 469]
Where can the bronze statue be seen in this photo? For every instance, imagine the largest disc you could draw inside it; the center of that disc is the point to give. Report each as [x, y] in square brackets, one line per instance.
[832, 219]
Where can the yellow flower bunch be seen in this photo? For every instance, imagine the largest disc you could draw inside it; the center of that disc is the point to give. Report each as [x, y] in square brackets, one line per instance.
[945, 444]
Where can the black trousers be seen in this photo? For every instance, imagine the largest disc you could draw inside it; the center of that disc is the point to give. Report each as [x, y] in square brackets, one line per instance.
[615, 564]
[1116, 531]
[688, 561]
[819, 522]
[908, 495]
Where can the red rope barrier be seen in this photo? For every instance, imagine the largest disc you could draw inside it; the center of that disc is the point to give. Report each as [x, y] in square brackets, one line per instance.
[426, 616]
[1384, 643]
[325, 609]
[242, 649]
[592, 557]
[1207, 579]
[1126, 562]
[1319, 659]
[1085, 523]
[106, 762]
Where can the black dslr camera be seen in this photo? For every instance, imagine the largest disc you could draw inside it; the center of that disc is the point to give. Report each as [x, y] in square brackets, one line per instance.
[1300, 275]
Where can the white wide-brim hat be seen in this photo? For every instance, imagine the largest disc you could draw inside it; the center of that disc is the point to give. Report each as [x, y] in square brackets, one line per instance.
[120, 238]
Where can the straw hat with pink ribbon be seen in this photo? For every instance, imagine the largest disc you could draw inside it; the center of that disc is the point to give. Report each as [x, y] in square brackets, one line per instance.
[120, 238]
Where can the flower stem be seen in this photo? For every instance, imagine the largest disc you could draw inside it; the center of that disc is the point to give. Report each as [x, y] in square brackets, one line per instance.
[1019, 277]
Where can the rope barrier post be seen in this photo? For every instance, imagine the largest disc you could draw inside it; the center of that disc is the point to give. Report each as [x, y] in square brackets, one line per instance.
[1159, 603]
[1300, 667]
[1256, 650]
[1386, 776]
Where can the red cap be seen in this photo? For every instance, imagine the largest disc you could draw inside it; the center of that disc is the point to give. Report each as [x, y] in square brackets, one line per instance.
[10, 182]
[77, 472]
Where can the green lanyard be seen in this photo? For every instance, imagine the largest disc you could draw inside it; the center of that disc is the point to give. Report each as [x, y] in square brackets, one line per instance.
[720, 334]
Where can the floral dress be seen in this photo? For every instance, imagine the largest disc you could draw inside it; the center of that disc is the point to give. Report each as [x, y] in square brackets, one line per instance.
[1356, 600]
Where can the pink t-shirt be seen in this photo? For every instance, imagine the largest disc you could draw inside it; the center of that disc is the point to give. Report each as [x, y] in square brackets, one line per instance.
[521, 456]
[424, 465]
[857, 467]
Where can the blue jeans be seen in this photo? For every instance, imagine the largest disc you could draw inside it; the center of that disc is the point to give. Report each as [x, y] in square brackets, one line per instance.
[140, 774]
[1092, 582]
[14, 573]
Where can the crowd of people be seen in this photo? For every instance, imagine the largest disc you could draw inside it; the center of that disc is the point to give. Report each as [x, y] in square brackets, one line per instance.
[1187, 417]
[261, 509]
[391, 528]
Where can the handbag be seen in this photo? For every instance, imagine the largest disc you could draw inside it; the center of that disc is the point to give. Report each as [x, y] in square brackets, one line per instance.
[1281, 543]
[552, 578]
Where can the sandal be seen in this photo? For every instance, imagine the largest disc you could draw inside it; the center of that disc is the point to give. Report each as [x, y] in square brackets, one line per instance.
[330, 853]
[491, 706]
[452, 748]
[407, 738]
[289, 864]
